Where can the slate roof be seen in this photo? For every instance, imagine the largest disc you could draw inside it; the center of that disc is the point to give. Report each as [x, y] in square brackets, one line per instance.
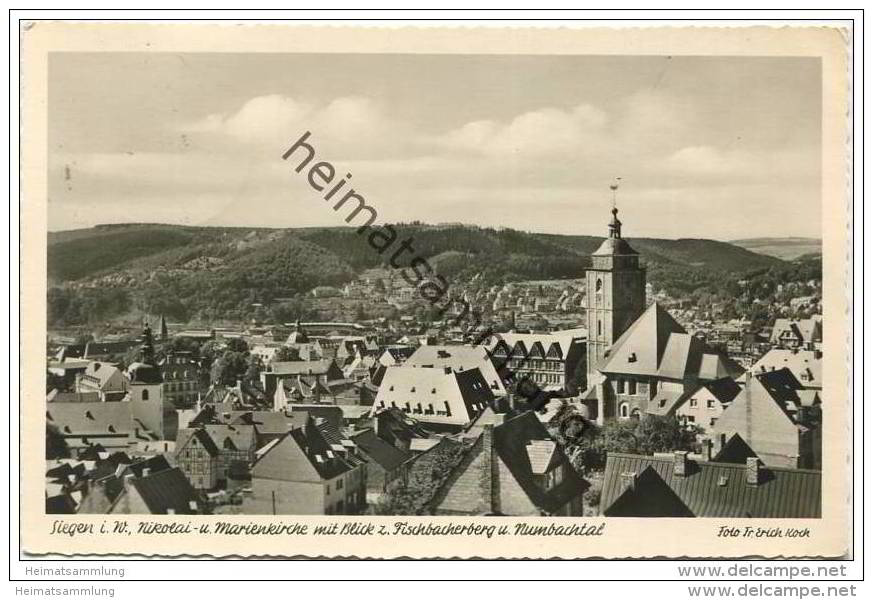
[712, 489]
[185, 436]
[301, 455]
[145, 373]
[806, 365]
[614, 246]
[511, 440]
[805, 330]
[91, 419]
[377, 450]
[301, 367]
[166, 490]
[655, 345]
[241, 436]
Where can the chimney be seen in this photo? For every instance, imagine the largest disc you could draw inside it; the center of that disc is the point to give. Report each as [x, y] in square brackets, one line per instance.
[680, 463]
[628, 480]
[490, 475]
[146, 471]
[753, 471]
[706, 449]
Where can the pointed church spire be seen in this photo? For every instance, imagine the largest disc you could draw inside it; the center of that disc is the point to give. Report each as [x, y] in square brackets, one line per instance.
[147, 351]
[165, 334]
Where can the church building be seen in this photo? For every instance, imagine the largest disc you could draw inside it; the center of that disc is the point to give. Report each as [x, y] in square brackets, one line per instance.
[616, 285]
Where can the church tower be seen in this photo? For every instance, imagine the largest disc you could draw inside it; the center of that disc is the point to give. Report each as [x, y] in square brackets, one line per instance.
[616, 286]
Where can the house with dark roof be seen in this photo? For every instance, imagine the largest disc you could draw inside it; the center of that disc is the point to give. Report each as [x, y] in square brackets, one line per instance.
[236, 445]
[799, 333]
[198, 457]
[513, 468]
[301, 474]
[163, 493]
[674, 485]
[777, 418]
[653, 368]
[386, 459]
[805, 365]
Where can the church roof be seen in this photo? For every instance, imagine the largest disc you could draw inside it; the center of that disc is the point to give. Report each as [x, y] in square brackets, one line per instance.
[614, 246]
[145, 373]
[657, 346]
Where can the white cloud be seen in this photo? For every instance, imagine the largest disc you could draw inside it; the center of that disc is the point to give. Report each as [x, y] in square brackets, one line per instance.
[544, 132]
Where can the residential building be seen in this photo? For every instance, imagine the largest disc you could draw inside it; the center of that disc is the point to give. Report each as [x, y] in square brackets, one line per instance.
[181, 377]
[805, 365]
[442, 399]
[198, 457]
[513, 468]
[300, 474]
[674, 485]
[777, 418]
[553, 361]
[460, 358]
[797, 333]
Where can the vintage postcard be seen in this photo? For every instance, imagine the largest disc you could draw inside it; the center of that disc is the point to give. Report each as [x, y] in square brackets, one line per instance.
[506, 292]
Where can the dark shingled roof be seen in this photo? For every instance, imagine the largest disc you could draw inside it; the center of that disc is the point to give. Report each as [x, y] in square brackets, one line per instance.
[511, 441]
[711, 489]
[166, 490]
[387, 456]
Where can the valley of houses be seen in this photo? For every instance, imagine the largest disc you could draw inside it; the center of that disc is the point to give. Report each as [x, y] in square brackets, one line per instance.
[358, 413]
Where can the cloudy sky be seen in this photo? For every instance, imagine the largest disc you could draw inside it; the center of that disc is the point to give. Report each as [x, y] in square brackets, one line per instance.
[721, 148]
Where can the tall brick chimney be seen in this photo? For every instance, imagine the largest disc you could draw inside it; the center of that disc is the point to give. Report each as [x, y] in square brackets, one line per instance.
[489, 480]
[680, 463]
[753, 471]
[706, 449]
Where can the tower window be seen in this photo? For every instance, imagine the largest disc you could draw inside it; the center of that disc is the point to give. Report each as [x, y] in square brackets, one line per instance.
[599, 327]
[598, 285]
[145, 394]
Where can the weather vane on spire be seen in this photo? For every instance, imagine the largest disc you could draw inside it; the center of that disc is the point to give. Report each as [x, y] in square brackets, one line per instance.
[614, 188]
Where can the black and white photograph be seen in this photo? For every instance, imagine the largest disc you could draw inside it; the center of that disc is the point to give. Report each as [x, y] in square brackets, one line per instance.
[580, 290]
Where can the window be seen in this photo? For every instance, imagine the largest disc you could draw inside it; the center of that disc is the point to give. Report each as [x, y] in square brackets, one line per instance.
[599, 328]
[145, 394]
[693, 403]
[619, 384]
[598, 285]
[710, 404]
[339, 484]
[632, 387]
[624, 410]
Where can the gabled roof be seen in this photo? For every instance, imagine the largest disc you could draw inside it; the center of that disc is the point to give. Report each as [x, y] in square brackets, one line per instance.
[166, 490]
[511, 440]
[301, 455]
[386, 455]
[465, 393]
[97, 419]
[184, 437]
[806, 365]
[458, 358]
[655, 345]
[301, 367]
[711, 489]
[102, 372]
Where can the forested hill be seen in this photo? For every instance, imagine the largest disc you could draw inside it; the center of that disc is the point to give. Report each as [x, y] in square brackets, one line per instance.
[188, 269]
